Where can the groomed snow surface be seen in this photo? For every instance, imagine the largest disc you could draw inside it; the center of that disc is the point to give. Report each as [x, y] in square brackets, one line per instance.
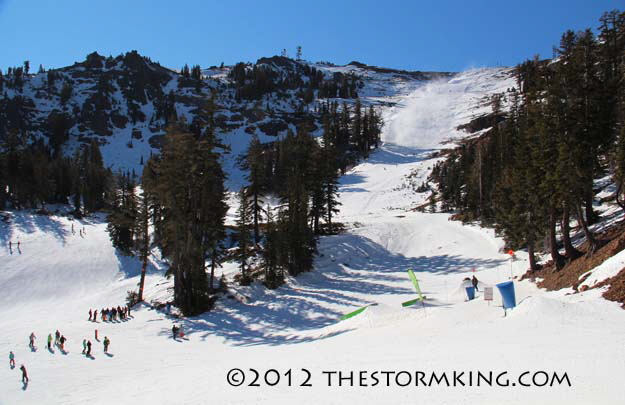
[57, 276]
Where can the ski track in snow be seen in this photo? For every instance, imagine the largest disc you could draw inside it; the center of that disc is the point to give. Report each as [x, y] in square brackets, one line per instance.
[59, 276]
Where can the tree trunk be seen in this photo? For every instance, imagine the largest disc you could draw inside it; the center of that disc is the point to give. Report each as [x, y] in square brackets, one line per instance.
[593, 244]
[479, 160]
[256, 212]
[142, 280]
[316, 223]
[570, 252]
[558, 259]
[212, 276]
[591, 216]
[619, 197]
[329, 197]
[532, 259]
[146, 246]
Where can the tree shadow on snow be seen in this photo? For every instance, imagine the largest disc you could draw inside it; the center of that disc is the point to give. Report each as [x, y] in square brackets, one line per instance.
[351, 273]
[6, 229]
[29, 223]
[372, 260]
[351, 178]
[130, 266]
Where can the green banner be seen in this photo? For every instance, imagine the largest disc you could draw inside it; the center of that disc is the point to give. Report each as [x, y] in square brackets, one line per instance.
[411, 302]
[415, 283]
[354, 313]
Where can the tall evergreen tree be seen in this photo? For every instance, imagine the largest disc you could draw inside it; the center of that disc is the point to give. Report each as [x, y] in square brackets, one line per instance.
[124, 216]
[188, 186]
[243, 237]
[274, 277]
[254, 163]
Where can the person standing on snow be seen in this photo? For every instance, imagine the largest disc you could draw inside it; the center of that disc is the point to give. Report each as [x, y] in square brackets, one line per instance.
[475, 283]
[95, 316]
[62, 341]
[49, 341]
[107, 342]
[24, 374]
[90, 314]
[84, 346]
[174, 331]
[11, 360]
[31, 342]
[57, 336]
[88, 348]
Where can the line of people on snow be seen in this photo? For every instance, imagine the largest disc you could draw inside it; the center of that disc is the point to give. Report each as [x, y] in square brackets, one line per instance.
[59, 341]
[113, 314]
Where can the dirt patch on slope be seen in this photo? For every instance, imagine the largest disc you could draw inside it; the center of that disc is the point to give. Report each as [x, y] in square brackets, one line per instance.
[613, 241]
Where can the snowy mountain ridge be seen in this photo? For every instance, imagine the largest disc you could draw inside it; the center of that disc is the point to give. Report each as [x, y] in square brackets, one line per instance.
[126, 102]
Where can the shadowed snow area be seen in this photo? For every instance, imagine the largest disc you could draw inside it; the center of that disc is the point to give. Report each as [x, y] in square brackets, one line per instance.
[57, 276]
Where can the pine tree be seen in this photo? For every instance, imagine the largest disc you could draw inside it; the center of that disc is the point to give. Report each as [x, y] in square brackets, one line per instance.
[143, 239]
[577, 150]
[274, 277]
[357, 137]
[66, 92]
[187, 184]
[254, 163]
[330, 184]
[123, 219]
[293, 218]
[96, 180]
[243, 237]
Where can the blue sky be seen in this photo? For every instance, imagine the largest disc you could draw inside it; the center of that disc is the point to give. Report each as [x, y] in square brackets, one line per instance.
[439, 35]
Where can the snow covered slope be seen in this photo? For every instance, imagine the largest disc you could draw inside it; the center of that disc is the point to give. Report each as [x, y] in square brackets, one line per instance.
[428, 117]
[59, 275]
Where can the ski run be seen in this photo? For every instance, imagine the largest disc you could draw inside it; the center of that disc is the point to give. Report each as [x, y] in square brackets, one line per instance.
[56, 276]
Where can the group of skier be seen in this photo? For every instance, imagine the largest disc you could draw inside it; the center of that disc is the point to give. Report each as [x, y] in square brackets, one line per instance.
[86, 346]
[59, 341]
[110, 314]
